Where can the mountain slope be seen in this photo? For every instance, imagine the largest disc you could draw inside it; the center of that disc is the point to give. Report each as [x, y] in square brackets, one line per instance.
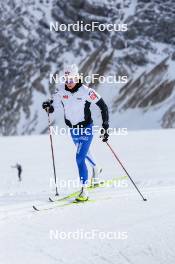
[30, 52]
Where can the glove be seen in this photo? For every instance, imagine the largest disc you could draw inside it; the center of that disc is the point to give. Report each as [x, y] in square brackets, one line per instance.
[47, 105]
[104, 132]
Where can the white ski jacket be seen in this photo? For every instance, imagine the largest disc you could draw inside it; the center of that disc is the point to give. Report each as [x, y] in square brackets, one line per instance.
[76, 104]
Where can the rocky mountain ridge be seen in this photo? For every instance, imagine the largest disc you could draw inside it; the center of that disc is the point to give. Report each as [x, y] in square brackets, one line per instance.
[29, 52]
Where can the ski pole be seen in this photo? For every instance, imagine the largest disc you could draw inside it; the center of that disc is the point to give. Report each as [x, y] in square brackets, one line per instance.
[144, 199]
[53, 158]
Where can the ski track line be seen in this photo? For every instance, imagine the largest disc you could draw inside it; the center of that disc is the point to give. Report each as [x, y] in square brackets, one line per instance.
[120, 193]
[27, 210]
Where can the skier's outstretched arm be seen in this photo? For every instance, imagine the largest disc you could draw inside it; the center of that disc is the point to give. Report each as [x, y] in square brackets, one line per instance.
[104, 113]
[105, 119]
[94, 97]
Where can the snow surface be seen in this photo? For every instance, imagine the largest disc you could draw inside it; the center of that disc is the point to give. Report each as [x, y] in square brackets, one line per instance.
[150, 226]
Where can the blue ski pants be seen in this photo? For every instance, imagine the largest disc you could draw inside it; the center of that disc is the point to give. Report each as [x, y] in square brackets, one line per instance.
[82, 138]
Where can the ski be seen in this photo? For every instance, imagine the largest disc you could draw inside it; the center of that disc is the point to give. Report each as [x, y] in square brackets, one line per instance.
[66, 200]
[72, 195]
[102, 184]
[67, 203]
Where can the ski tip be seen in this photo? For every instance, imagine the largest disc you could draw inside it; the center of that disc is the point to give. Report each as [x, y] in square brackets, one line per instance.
[35, 208]
[51, 200]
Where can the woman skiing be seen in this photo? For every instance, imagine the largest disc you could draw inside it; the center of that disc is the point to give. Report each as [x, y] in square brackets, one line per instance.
[76, 99]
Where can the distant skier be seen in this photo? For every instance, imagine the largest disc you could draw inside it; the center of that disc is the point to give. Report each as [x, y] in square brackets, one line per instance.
[19, 169]
[76, 99]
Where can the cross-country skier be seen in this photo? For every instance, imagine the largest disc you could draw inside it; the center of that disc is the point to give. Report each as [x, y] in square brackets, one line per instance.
[76, 99]
[19, 169]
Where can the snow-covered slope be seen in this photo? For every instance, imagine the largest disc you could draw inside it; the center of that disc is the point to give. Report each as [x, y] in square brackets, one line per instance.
[145, 229]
